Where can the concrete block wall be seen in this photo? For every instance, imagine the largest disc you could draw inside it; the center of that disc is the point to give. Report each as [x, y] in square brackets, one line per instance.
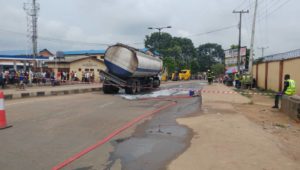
[290, 105]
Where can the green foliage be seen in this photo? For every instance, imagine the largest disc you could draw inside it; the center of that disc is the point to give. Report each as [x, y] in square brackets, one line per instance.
[208, 54]
[194, 67]
[234, 46]
[170, 64]
[158, 41]
[218, 69]
[180, 50]
[180, 53]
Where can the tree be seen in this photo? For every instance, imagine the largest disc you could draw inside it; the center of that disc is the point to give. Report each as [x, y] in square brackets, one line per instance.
[188, 51]
[218, 69]
[194, 66]
[170, 64]
[209, 54]
[180, 50]
[158, 42]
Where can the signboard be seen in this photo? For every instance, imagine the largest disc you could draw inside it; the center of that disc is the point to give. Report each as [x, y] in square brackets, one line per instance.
[231, 57]
[231, 53]
[89, 64]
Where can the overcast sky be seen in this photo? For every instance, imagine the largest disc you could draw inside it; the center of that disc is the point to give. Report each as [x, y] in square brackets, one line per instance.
[87, 24]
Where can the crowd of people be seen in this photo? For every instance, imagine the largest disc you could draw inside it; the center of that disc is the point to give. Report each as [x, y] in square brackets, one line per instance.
[21, 78]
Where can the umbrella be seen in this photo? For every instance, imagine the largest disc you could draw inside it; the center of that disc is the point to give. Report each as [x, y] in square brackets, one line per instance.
[231, 70]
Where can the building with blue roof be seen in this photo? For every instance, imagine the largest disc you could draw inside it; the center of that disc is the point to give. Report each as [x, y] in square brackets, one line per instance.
[84, 52]
[21, 59]
[99, 54]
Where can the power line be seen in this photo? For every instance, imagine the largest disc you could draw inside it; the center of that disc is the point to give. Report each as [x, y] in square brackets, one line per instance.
[58, 40]
[241, 4]
[203, 33]
[262, 50]
[213, 31]
[273, 11]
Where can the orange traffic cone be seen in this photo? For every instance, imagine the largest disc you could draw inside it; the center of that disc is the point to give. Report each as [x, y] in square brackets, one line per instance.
[3, 123]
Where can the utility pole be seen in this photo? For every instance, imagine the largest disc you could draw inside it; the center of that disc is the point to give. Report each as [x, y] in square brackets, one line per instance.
[32, 11]
[240, 32]
[252, 40]
[34, 29]
[263, 50]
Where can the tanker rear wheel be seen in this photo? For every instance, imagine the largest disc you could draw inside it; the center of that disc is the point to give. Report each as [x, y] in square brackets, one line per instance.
[138, 86]
[109, 89]
[131, 87]
[106, 89]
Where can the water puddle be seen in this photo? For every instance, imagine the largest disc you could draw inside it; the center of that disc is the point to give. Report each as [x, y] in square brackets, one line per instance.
[157, 141]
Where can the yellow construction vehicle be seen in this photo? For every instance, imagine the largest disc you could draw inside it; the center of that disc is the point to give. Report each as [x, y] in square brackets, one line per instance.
[175, 76]
[185, 75]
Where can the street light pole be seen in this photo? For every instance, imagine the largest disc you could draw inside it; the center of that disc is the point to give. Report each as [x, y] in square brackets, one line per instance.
[159, 33]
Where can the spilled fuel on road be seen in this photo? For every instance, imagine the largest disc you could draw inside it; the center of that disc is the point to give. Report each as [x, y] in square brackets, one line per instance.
[159, 140]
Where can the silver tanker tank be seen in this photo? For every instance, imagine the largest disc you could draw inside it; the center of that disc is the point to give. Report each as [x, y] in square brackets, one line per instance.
[130, 69]
[124, 61]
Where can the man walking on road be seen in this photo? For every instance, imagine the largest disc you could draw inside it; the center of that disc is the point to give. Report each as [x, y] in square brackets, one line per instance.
[289, 89]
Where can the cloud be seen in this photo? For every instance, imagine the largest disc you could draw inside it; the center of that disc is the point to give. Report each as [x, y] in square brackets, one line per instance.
[111, 21]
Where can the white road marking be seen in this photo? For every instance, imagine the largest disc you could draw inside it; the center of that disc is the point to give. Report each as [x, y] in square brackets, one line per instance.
[35, 100]
[106, 104]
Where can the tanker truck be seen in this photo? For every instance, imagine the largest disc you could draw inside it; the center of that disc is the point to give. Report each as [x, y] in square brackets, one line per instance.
[129, 69]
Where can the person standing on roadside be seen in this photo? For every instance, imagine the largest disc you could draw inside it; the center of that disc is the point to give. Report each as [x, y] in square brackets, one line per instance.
[209, 77]
[2, 79]
[289, 89]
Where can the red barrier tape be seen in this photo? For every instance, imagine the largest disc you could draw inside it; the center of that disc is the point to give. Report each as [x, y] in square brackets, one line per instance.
[106, 139]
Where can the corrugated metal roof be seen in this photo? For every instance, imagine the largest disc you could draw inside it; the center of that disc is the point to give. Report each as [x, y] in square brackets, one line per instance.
[16, 52]
[72, 58]
[283, 56]
[22, 57]
[20, 52]
[83, 52]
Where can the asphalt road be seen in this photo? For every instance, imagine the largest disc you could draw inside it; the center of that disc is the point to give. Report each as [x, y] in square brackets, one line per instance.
[48, 130]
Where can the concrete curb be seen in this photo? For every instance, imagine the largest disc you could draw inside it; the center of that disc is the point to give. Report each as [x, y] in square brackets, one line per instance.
[25, 94]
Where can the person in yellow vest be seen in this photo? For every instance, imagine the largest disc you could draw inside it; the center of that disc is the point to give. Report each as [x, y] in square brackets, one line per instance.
[237, 80]
[289, 89]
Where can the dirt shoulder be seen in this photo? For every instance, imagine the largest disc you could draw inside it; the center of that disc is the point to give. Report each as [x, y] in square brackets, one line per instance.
[231, 132]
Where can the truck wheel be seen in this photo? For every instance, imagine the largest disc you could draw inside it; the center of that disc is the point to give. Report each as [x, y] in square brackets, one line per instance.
[131, 89]
[156, 83]
[138, 86]
[114, 89]
[106, 89]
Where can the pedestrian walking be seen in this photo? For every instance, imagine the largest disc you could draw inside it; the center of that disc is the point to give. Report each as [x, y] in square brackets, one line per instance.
[289, 89]
[21, 81]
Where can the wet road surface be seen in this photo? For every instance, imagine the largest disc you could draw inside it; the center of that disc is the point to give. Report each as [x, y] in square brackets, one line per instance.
[48, 130]
[159, 140]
